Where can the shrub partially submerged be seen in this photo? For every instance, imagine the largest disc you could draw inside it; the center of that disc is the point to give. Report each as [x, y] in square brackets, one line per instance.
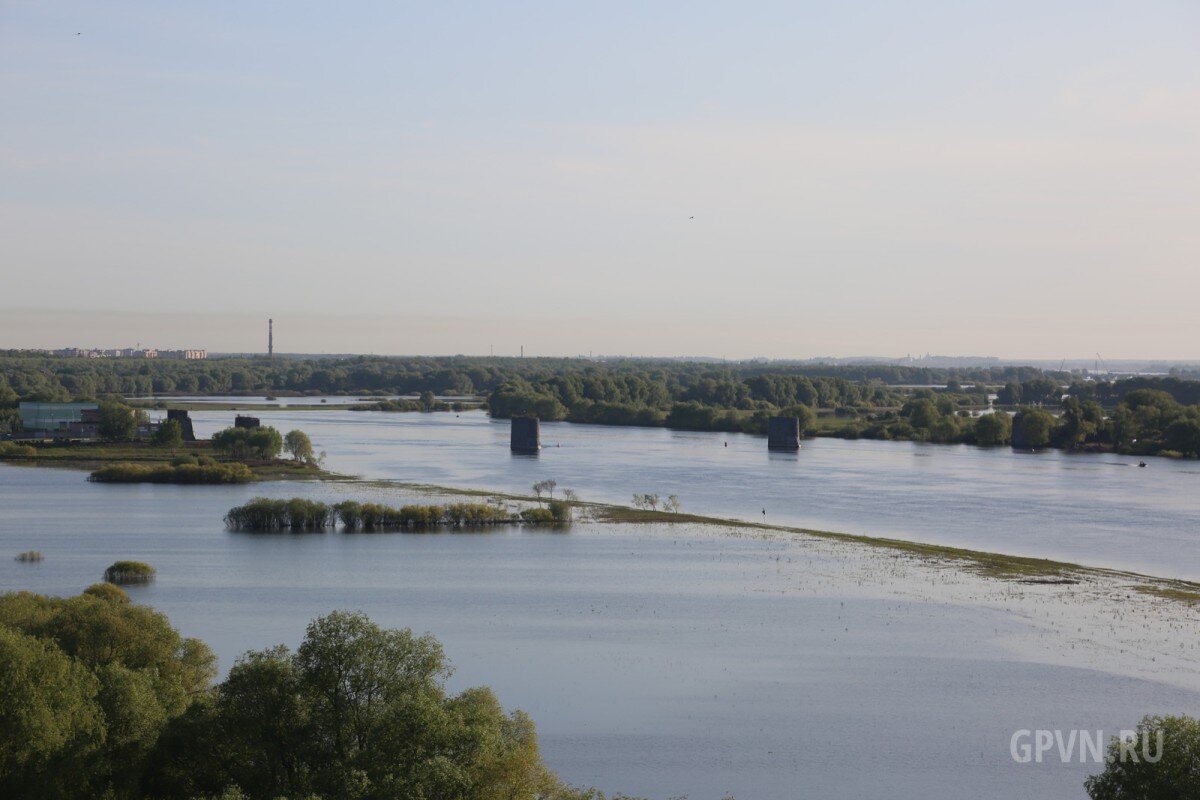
[29, 556]
[265, 515]
[187, 472]
[356, 516]
[129, 572]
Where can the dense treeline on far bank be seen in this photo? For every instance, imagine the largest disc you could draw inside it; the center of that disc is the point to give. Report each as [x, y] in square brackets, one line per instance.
[1143, 415]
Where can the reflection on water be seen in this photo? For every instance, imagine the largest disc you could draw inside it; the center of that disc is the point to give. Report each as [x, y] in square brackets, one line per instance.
[656, 660]
[1091, 509]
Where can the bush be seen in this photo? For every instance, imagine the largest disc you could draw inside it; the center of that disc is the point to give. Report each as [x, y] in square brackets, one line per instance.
[107, 591]
[537, 516]
[29, 556]
[127, 572]
[560, 510]
[171, 473]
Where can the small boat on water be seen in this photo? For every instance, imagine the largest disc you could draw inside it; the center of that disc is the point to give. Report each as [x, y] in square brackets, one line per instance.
[1141, 463]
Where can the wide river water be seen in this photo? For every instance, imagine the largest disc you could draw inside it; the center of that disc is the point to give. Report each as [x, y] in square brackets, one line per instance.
[669, 660]
[1098, 510]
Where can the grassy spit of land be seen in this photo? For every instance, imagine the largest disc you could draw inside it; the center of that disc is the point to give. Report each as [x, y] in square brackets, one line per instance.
[999, 566]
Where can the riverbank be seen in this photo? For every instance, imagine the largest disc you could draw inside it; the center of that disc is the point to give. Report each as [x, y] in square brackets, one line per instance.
[92, 456]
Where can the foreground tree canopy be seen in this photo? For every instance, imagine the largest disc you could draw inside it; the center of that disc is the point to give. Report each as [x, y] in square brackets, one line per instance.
[1173, 775]
[103, 698]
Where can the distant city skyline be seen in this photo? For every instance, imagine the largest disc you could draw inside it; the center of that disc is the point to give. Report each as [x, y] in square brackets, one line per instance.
[770, 179]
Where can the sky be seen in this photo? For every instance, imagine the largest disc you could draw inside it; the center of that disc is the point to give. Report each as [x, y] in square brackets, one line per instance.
[780, 179]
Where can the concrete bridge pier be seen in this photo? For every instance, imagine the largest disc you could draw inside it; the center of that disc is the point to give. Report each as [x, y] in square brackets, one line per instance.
[783, 433]
[526, 435]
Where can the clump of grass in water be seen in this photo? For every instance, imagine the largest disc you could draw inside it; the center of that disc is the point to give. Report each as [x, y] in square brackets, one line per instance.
[129, 572]
[29, 556]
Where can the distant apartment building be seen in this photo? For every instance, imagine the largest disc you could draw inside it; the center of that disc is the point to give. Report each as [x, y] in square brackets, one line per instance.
[131, 352]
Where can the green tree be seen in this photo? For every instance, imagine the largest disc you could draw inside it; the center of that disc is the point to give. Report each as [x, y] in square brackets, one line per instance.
[118, 422]
[264, 442]
[1032, 428]
[921, 413]
[169, 434]
[138, 674]
[299, 446]
[1172, 775]
[1009, 394]
[1183, 435]
[993, 429]
[49, 717]
[357, 711]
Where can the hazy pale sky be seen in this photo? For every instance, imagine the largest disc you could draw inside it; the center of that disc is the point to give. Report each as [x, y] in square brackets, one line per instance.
[1006, 178]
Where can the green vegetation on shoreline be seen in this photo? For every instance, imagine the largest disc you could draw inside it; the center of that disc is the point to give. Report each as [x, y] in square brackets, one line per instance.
[873, 401]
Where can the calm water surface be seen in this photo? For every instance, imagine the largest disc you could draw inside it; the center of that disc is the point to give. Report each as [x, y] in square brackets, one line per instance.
[660, 660]
[1099, 510]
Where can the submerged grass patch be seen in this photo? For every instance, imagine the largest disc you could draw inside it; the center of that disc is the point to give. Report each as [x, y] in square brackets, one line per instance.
[1185, 593]
[29, 556]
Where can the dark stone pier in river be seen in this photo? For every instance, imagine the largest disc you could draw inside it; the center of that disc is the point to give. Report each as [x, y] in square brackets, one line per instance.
[526, 436]
[783, 433]
[185, 423]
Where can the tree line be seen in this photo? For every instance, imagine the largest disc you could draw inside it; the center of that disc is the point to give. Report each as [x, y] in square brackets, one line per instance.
[30, 376]
[100, 697]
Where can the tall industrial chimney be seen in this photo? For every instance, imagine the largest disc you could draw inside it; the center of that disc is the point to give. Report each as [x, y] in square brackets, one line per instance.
[270, 338]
